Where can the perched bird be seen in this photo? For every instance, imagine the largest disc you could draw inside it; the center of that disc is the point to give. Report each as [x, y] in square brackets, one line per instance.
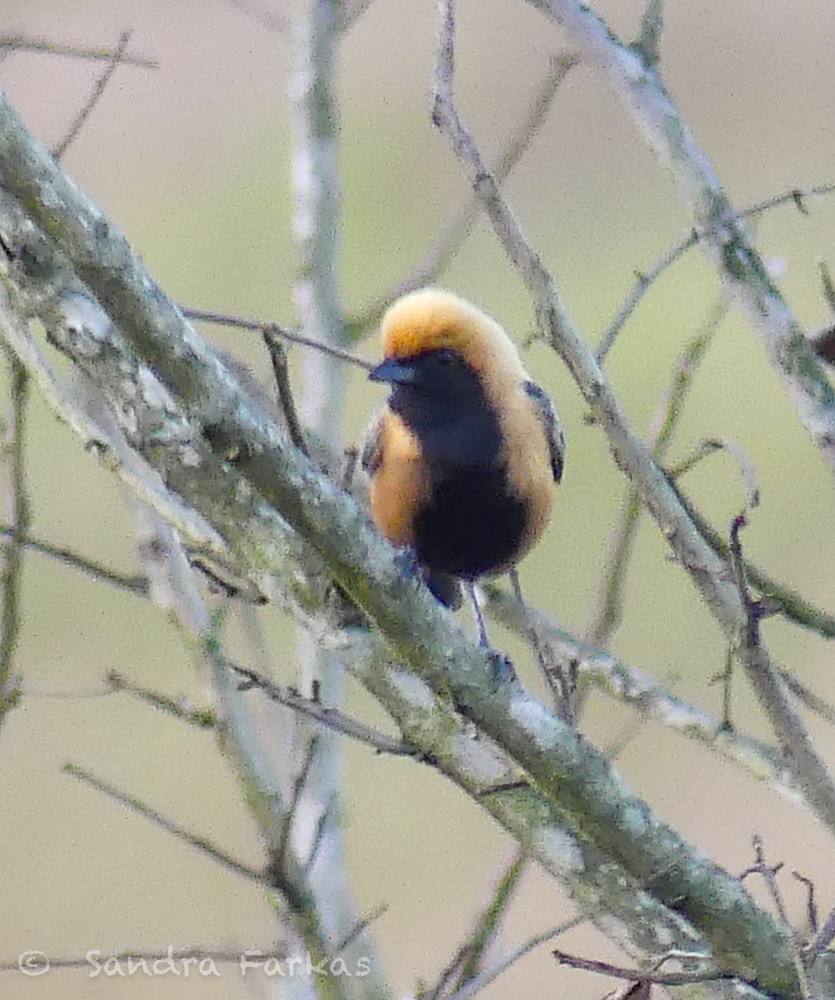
[464, 454]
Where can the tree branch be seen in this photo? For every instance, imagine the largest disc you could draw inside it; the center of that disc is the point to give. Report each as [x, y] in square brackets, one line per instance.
[721, 233]
[240, 472]
[13, 550]
[711, 575]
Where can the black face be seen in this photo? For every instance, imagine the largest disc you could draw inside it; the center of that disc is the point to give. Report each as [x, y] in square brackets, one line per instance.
[442, 400]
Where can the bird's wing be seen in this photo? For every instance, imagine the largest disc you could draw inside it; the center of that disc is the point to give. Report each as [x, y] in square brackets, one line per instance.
[551, 425]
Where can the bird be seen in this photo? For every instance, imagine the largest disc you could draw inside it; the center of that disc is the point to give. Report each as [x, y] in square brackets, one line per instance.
[463, 456]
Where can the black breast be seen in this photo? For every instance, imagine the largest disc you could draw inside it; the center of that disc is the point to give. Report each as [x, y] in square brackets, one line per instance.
[471, 523]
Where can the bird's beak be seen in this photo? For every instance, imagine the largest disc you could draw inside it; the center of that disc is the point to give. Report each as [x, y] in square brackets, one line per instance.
[394, 371]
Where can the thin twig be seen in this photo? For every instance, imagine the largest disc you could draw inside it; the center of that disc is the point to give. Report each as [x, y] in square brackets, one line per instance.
[361, 927]
[330, 717]
[709, 447]
[808, 697]
[648, 41]
[134, 583]
[726, 677]
[202, 844]
[25, 43]
[280, 853]
[811, 903]
[608, 610]
[483, 979]
[278, 359]
[753, 608]
[640, 975]
[465, 964]
[823, 340]
[201, 718]
[349, 467]
[646, 278]
[487, 926]
[789, 603]
[350, 11]
[769, 875]
[822, 940]
[450, 240]
[95, 96]
[827, 284]
[322, 821]
[559, 683]
[269, 19]
[241, 323]
[13, 550]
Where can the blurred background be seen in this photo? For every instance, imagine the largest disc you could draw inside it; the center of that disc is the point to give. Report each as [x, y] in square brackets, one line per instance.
[192, 161]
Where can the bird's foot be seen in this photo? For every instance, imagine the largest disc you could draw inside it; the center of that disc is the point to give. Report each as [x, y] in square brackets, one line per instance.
[408, 563]
[503, 670]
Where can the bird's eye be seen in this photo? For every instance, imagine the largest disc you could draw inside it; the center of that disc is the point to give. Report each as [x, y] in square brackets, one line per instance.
[446, 358]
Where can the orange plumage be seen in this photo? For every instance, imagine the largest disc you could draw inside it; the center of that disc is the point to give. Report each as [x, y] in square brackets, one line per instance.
[464, 455]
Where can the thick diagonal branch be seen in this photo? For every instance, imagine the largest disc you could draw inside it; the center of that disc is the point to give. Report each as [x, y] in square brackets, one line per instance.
[227, 460]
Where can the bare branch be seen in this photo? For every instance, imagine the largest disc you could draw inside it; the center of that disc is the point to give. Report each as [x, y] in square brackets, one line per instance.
[200, 843]
[808, 697]
[608, 609]
[332, 718]
[361, 926]
[466, 963]
[811, 903]
[721, 232]
[450, 240]
[317, 31]
[81, 313]
[95, 96]
[649, 37]
[21, 516]
[350, 12]
[135, 584]
[26, 43]
[645, 279]
[278, 359]
[640, 975]
[822, 940]
[222, 319]
[788, 602]
[278, 856]
[201, 718]
[269, 19]
[483, 979]
[769, 875]
[827, 284]
[630, 686]
[709, 574]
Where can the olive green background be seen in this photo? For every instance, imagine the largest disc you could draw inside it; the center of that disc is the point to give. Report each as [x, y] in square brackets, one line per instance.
[193, 162]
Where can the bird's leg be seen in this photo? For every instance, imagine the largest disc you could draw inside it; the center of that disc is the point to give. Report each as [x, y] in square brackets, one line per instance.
[560, 695]
[479, 617]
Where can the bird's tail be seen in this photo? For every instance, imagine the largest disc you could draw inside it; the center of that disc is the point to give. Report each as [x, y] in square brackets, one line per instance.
[446, 588]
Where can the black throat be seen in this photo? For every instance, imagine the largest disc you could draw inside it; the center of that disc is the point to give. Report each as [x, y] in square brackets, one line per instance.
[471, 523]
